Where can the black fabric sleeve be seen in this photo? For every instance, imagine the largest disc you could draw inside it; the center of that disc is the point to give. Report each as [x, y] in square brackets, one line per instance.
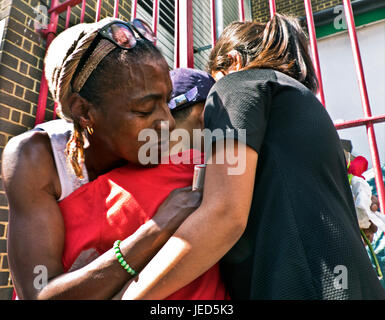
[236, 102]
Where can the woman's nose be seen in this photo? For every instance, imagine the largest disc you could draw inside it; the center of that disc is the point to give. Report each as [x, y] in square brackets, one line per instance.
[167, 121]
[171, 121]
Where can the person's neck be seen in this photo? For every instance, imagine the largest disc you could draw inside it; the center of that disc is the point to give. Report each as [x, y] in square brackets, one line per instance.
[185, 144]
[100, 161]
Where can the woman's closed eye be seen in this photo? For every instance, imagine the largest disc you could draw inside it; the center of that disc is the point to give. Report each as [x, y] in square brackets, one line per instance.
[145, 111]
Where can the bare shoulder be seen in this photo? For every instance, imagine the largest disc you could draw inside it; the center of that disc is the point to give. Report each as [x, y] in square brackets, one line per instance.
[28, 158]
[29, 173]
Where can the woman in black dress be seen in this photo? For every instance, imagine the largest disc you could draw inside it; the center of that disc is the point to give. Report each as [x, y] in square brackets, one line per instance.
[288, 221]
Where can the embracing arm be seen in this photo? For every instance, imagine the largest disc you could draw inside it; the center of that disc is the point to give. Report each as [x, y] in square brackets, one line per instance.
[205, 236]
[36, 230]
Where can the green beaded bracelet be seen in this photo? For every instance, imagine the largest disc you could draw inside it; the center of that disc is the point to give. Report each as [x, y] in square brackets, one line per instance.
[120, 258]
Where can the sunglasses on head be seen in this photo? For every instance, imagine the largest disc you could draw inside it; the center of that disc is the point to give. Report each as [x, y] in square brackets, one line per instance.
[120, 33]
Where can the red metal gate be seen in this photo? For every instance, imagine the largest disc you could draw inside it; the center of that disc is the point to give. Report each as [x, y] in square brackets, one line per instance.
[184, 57]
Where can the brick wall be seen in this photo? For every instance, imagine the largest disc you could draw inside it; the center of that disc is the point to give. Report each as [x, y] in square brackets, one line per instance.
[261, 12]
[21, 62]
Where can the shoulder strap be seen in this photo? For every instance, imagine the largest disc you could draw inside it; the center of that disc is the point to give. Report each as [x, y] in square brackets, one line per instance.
[59, 132]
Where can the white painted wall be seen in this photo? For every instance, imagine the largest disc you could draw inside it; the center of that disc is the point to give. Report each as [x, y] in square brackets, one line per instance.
[341, 87]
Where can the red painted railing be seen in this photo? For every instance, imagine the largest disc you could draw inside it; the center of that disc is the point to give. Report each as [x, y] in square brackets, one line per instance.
[155, 16]
[176, 38]
[186, 40]
[272, 7]
[365, 103]
[314, 48]
[241, 9]
[184, 57]
[213, 23]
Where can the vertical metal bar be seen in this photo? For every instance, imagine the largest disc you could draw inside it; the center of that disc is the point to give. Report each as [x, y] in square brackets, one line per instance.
[241, 6]
[186, 32]
[213, 24]
[43, 92]
[176, 40]
[116, 8]
[155, 16]
[273, 8]
[68, 15]
[219, 24]
[357, 58]
[97, 11]
[82, 13]
[314, 48]
[42, 100]
[134, 7]
[365, 103]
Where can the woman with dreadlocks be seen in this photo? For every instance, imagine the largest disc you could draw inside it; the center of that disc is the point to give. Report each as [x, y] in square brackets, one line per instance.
[111, 82]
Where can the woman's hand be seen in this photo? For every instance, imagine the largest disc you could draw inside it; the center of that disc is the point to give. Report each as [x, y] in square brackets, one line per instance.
[176, 208]
[179, 204]
[375, 204]
[369, 232]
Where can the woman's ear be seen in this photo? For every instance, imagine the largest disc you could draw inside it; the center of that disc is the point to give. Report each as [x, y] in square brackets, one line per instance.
[81, 111]
[236, 61]
[198, 115]
[218, 74]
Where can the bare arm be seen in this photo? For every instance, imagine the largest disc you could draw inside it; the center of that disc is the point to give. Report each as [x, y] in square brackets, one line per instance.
[205, 236]
[36, 229]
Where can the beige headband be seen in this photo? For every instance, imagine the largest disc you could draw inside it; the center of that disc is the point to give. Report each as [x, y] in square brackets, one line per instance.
[63, 57]
[103, 48]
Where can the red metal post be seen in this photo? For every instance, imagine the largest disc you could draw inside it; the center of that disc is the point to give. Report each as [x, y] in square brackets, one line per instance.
[68, 15]
[116, 8]
[42, 100]
[134, 7]
[359, 122]
[186, 34]
[97, 11]
[314, 48]
[273, 9]
[213, 24]
[82, 13]
[241, 6]
[61, 7]
[365, 103]
[176, 40]
[155, 16]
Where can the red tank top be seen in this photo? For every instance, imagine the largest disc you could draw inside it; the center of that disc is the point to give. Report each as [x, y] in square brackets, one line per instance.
[115, 205]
